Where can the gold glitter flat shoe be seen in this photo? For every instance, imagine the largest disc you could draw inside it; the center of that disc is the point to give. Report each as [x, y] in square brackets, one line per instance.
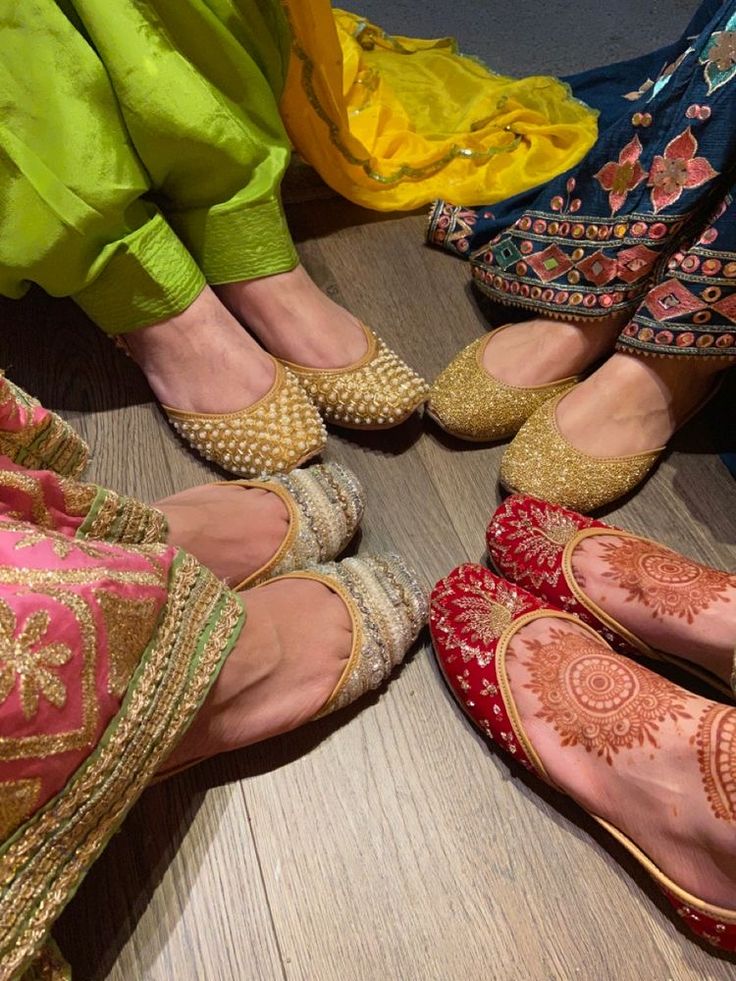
[469, 403]
[325, 505]
[274, 435]
[377, 392]
[540, 462]
[387, 607]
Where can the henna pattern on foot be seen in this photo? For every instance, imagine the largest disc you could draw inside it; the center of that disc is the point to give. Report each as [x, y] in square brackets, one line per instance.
[716, 742]
[596, 699]
[668, 583]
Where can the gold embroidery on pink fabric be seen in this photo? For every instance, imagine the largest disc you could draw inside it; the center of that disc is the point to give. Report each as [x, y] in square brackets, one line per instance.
[667, 583]
[24, 660]
[17, 801]
[129, 625]
[30, 485]
[716, 741]
[47, 444]
[51, 854]
[78, 497]
[61, 545]
[595, 699]
[43, 744]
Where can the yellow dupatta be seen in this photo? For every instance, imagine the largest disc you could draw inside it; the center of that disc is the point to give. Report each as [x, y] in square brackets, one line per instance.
[394, 122]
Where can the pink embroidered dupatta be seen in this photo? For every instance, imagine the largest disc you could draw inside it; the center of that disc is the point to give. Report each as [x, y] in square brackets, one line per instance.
[109, 642]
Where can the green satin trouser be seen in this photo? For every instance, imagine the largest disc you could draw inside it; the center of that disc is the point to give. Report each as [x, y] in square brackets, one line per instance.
[141, 151]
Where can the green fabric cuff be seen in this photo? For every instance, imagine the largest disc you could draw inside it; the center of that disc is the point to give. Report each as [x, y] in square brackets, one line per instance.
[148, 277]
[239, 242]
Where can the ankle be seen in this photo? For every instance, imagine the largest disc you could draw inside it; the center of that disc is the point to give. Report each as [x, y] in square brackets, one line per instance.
[540, 351]
[176, 334]
[254, 300]
[681, 382]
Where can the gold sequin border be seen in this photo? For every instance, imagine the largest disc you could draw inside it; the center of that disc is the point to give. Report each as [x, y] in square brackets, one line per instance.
[116, 518]
[404, 171]
[42, 745]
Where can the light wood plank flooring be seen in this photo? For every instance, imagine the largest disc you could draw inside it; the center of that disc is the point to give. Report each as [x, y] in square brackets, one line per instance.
[390, 842]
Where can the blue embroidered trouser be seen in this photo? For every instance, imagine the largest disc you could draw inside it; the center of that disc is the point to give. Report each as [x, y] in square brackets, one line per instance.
[646, 224]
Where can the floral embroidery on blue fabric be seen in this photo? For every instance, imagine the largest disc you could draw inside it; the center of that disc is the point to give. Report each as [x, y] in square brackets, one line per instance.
[693, 307]
[452, 227]
[678, 170]
[719, 56]
[631, 229]
[622, 176]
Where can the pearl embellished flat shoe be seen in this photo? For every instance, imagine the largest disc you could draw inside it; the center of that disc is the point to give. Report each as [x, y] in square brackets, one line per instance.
[325, 505]
[387, 606]
[377, 392]
[275, 434]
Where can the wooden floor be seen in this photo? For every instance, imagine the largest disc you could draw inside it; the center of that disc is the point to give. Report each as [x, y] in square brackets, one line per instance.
[390, 842]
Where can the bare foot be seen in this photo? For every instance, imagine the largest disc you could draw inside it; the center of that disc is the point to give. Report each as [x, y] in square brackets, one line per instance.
[633, 405]
[202, 360]
[232, 530]
[295, 320]
[672, 602]
[634, 749]
[285, 665]
[537, 352]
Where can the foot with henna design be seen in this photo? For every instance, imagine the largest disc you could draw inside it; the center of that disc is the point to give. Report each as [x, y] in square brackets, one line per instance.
[652, 762]
[671, 602]
[642, 597]
[650, 758]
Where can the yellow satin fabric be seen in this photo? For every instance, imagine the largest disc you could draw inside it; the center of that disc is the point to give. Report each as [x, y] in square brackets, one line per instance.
[394, 122]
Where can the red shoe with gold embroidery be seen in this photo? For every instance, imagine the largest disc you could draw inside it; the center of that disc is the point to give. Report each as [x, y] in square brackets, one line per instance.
[474, 615]
[531, 542]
